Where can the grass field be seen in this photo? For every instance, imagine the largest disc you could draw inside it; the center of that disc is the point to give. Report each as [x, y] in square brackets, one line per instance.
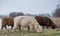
[46, 32]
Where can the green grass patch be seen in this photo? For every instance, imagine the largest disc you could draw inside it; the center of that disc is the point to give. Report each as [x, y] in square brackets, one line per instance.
[46, 32]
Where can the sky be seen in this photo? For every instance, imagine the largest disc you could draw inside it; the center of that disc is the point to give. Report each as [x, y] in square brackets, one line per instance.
[28, 6]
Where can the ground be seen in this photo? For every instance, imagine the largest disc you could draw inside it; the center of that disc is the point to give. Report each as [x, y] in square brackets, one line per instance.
[46, 32]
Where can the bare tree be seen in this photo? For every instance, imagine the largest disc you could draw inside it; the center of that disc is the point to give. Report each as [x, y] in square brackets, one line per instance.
[57, 11]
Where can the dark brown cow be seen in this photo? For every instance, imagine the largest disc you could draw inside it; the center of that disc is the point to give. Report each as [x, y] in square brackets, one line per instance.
[45, 21]
[7, 21]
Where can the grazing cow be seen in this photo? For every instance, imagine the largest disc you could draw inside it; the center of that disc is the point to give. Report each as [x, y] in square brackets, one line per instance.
[45, 21]
[26, 21]
[7, 21]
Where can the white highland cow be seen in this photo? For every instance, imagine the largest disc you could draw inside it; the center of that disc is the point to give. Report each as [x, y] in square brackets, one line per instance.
[27, 21]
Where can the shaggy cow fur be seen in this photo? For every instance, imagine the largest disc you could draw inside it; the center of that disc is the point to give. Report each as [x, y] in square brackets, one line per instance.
[45, 21]
[26, 21]
[7, 21]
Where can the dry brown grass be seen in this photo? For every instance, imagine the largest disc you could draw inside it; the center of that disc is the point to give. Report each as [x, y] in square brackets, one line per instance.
[56, 20]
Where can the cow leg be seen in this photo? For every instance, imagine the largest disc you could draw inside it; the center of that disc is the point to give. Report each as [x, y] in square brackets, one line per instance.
[11, 27]
[2, 27]
[20, 27]
[43, 27]
[28, 28]
[5, 27]
[47, 27]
